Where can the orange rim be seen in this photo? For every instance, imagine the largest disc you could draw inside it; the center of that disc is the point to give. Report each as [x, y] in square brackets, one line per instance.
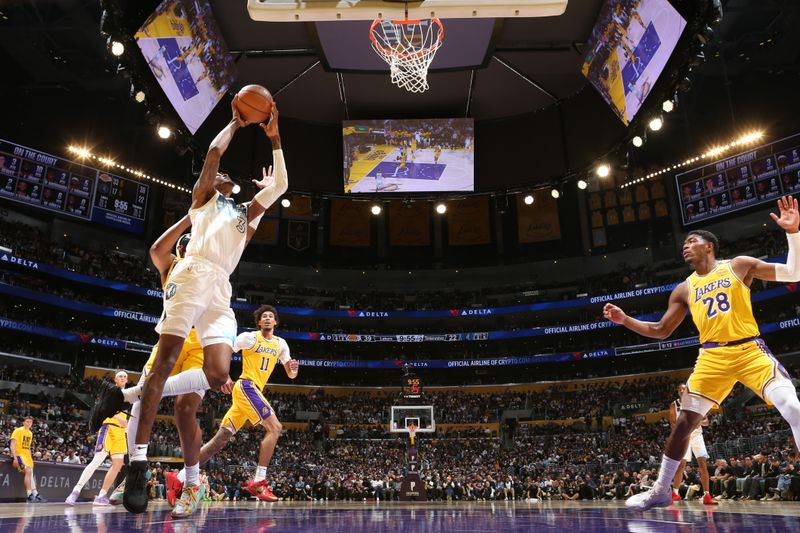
[390, 52]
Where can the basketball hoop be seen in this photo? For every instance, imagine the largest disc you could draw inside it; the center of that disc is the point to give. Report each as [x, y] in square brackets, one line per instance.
[408, 47]
[412, 431]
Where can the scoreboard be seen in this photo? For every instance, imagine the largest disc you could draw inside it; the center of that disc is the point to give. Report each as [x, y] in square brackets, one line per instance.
[58, 185]
[744, 180]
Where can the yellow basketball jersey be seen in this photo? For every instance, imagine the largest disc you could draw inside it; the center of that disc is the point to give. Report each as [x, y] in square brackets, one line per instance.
[720, 305]
[24, 438]
[259, 361]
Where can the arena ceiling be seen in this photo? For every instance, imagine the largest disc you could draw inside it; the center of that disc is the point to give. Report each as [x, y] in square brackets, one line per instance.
[57, 67]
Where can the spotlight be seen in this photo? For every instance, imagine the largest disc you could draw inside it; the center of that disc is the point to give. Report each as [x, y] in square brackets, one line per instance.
[582, 184]
[164, 132]
[117, 48]
[637, 141]
[668, 106]
[656, 124]
[441, 209]
[139, 96]
[554, 193]
[286, 203]
[236, 189]
[376, 210]
[528, 199]
[603, 170]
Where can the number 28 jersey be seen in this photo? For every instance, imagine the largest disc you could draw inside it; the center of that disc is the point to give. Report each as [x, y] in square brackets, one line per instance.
[720, 305]
[260, 356]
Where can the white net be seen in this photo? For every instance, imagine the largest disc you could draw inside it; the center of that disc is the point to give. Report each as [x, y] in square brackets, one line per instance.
[408, 47]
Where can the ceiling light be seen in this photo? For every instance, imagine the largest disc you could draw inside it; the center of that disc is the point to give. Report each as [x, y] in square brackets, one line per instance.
[117, 48]
[528, 199]
[554, 193]
[286, 203]
[441, 209]
[582, 184]
[656, 124]
[376, 209]
[139, 96]
[603, 170]
[668, 106]
[164, 132]
[236, 189]
[637, 141]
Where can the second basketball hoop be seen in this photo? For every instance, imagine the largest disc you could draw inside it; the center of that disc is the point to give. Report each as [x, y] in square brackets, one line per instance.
[408, 47]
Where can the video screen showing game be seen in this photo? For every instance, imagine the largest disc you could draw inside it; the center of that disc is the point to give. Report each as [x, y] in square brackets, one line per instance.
[385, 156]
[184, 49]
[630, 44]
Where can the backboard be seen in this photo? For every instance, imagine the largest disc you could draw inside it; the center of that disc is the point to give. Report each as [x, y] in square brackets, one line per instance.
[420, 416]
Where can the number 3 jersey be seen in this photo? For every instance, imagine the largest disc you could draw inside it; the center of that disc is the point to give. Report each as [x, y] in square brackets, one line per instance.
[260, 356]
[219, 232]
[720, 305]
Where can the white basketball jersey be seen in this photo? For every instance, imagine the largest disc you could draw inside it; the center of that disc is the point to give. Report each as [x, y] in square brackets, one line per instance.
[219, 232]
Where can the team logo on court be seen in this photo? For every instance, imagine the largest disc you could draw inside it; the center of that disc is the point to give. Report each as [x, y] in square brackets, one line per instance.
[170, 290]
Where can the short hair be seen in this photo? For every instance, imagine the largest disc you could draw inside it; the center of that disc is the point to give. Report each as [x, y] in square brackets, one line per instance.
[29, 417]
[706, 235]
[263, 309]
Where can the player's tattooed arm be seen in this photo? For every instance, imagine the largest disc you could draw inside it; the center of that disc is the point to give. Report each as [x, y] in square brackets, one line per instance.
[204, 186]
[161, 250]
[748, 268]
[672, 318]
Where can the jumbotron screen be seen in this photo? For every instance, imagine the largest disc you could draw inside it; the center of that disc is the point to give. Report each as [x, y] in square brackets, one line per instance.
[385, 156]
[744, 180]
[630, 44]
[186, 53]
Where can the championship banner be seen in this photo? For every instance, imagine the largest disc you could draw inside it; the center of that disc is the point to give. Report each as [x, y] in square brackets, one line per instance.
[267, 232]
[409, 224]
[539, 221]
[298, 235]
[468, 222]
[350, 223]
[300, 208]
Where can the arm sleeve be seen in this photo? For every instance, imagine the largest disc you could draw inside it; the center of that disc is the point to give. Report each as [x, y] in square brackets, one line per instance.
[244, 341]
[790, 272]
[285, 354]
[266, 197]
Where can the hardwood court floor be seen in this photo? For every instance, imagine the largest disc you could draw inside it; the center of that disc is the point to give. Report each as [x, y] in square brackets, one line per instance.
[394, 517]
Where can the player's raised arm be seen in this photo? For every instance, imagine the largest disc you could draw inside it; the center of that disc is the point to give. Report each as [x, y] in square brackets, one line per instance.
[161, 250]
[272, 186]
[204, 186]
[672, 318]
[747, 268]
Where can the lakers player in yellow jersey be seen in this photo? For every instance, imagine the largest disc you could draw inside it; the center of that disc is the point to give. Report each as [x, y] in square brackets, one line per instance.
[717, 294]
[261, 350]
[21, 442]
[110, 441]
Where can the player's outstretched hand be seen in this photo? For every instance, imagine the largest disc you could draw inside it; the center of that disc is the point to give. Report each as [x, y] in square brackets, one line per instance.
[271, 127]
[227, 388]
[789, 220]
[267, 179]
[614, 314]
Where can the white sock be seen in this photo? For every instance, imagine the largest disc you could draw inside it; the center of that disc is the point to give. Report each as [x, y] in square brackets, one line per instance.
[139, 453]
[29, 492]
[666, 473]
[90, 469]
[133, 394]
[133, 425]
[102, 493]
[193, 475]
[187, 381]
[261, 473]
[182, 475]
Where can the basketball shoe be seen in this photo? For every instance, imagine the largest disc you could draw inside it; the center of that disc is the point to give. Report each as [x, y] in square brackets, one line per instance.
[652, 498]
[260, 490]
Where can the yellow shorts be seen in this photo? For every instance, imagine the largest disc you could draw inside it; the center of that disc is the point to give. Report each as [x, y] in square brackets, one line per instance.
[718, 369]
[111, 439]
[27, 460]
[249, 405]
[189, 359]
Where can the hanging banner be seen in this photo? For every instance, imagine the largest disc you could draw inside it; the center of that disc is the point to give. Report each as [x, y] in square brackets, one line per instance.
[298, 236]
[300, 208]
[539, 221]
[468, 222]
[267, 231]
[350, 223]
[409, 224]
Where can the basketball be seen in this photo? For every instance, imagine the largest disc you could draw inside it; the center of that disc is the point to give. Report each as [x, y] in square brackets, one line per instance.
[254, 103]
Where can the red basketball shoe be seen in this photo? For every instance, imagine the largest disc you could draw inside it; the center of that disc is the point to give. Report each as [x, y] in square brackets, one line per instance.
[708, 499]
[174, 487]
[260, 490]
[676, 497]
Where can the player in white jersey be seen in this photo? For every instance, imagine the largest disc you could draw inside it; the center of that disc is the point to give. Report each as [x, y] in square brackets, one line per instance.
[697, 447]
[198, 293]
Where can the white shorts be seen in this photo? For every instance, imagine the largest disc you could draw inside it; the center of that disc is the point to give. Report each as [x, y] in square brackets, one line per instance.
[198, 293]
[697, 446]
